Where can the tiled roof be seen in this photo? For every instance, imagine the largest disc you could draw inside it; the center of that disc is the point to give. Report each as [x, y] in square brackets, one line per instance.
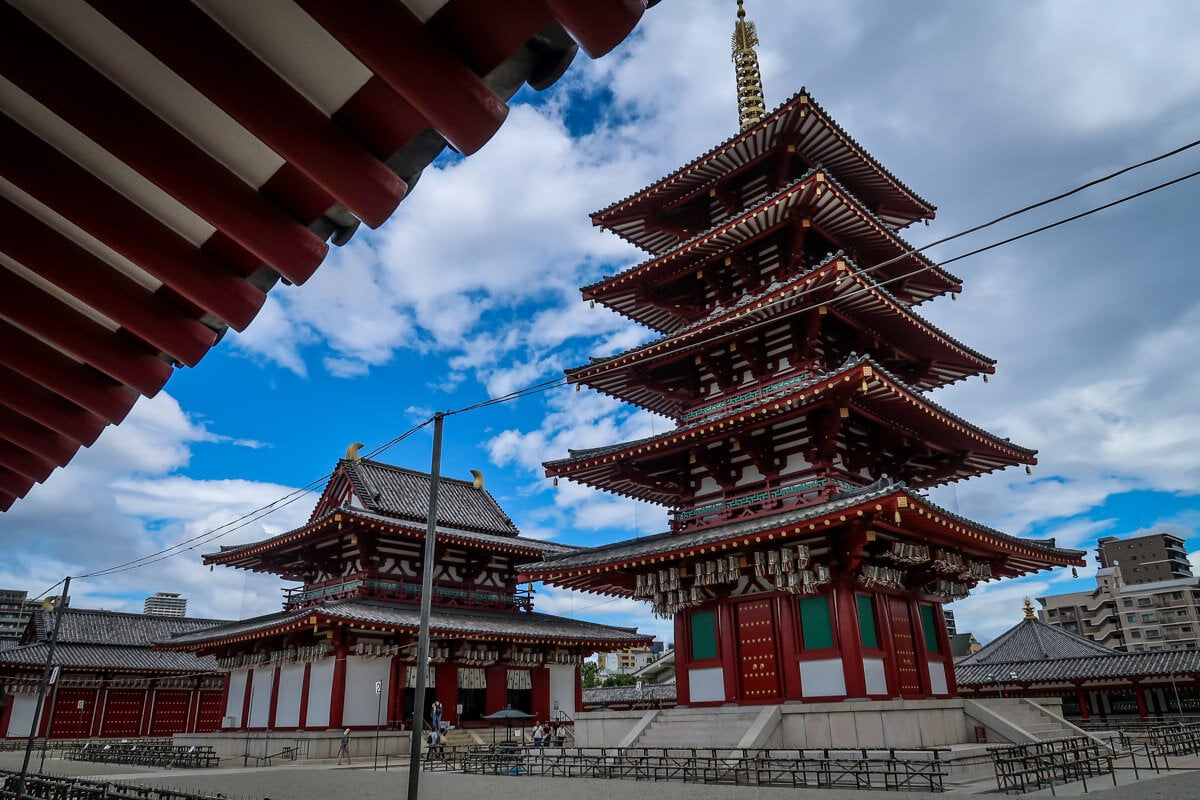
[1039, 653]
[231, 552]
[653, 693]
[89, 626]
[404, 493]
[107, 657]
[444, 622]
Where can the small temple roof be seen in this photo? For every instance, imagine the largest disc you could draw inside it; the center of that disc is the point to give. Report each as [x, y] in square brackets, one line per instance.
[247, 555]
[108, 640]
[798, 122]
[1028, 554]
[517, 626]
[401, 493]
[1039, 653]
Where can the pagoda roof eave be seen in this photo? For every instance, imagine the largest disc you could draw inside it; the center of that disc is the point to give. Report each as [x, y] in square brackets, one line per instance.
[525, 627]
[245, 556]
[594, 569]
[869, 300]
[792, 398]
[763, 138]
[774, 210]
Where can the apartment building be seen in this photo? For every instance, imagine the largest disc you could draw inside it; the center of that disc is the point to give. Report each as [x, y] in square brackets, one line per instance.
[1145, 559]
[165, 604]
[1138, 617]
[14, 612]
[621, 662]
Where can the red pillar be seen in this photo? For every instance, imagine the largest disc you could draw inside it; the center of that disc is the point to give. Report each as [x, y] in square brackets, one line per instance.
[918, 626]
[887, 642]
[6, 715]
[274, 698]
[337, 695]
[97, 711]
[727, 649]
[305, 683]
[683, 652]
[224, 699]
[849, 639]
[148, 709]
[246, 696]
[496, 695]
[1140, 696]
[1085, 713]
[578, 687]
[446, 691]
[540, 678]
[395, 692]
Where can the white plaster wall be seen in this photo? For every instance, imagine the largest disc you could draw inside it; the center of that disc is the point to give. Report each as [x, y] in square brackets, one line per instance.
[237, 693]
[320, 690]
[562, 688]
[822, 678]
[876, 676]
[287, 710]
[707, 685]
[362, 704]
[260, 696]
[937, 678]
[21, 719]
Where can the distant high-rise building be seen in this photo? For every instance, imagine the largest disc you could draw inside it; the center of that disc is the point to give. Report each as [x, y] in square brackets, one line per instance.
[1145, 559]
[14, 612]
[165, 604]
[951, 625]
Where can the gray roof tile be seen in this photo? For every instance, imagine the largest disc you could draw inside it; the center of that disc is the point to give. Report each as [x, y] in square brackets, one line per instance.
[106, 658]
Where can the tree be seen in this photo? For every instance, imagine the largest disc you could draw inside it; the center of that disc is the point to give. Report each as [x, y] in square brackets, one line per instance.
[591, 674]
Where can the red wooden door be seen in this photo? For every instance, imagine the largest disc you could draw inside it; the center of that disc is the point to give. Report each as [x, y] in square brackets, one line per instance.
[212, 709]
[758, 666]
[72, 713]
[905, 643]
[170, 712]
[123, 712]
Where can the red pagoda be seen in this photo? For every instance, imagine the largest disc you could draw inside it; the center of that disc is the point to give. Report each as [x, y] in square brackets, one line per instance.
[342, 653]
[802, 561]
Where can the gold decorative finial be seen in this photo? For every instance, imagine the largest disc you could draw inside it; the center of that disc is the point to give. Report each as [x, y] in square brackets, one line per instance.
[751, 105]
[1028, 609]
[352, 452]
[477, 479]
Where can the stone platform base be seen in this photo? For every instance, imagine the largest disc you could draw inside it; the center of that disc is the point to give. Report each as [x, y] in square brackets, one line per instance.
[281, 747]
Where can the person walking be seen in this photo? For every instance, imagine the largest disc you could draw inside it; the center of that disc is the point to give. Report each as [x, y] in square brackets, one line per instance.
[344, 750]
[538, 733]
[436, 711]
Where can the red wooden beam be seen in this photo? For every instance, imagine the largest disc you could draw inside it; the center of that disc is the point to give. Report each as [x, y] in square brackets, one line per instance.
[105, 214]
[34, 437]
[33, 466]
[204, 54]
[484, 35]
[54, 321]
[85, 99]
[83, 385]
[598, 25]
[55, 258]
[29, 399]
[12, 484]
[390, 41]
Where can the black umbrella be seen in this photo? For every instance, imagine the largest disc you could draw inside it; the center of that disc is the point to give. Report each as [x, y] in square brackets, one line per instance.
[509, 714]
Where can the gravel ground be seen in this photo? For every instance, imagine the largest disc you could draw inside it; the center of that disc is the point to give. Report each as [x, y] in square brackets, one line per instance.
[322, 780]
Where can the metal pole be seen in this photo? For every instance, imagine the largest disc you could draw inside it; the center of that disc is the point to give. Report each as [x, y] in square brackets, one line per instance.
[378, 713]
[414, 754]
[41, 698]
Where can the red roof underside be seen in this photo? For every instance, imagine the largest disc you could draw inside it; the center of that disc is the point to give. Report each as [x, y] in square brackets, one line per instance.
[145, 221]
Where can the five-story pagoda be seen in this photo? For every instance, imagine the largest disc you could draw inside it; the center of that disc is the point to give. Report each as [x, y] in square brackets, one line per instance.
[802, 561]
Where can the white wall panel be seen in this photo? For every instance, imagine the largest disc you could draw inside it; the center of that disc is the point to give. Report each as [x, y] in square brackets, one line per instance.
[707, 685]
[260, 696]
[822, 678]
[287, 708]
[362, 703]
[562, 688]
[320, 690]
[237, 693]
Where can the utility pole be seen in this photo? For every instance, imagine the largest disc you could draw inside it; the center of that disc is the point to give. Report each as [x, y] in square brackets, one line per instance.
[414, 754]
[41, 698]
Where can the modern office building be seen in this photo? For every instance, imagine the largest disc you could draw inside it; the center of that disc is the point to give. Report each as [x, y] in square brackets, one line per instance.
[14, 612]
[1162, 615]
[1145, 559]
[165, 604]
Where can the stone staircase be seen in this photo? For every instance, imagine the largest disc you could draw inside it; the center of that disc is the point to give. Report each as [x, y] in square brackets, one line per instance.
[1021, 721]
[723, 728]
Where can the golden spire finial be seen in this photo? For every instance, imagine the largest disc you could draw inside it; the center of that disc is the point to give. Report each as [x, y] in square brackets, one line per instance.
[1028, 609]
[751, 105]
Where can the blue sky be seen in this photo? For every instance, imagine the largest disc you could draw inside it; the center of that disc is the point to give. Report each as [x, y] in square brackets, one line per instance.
[471, 291]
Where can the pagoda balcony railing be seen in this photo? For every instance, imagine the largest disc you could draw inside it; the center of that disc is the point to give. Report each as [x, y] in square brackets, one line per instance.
[763, 500]
[312, 594]
[750, 395]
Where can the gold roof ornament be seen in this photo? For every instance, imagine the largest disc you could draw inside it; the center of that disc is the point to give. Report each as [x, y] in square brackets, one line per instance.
[477, 479]
[751, 105]
[352, 452]
[1029, 609]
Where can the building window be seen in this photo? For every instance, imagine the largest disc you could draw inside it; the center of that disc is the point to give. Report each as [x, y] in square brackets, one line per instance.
[1129, 604]
[1153, 634]
[1181, 612]
[704, 635]
[815, 625]
[1149, 617]
[1145, 601]
[1176, 595]
[866, 621]
[1137, 634]
[1053, 612]
[1186, 629]
[1132, 617]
